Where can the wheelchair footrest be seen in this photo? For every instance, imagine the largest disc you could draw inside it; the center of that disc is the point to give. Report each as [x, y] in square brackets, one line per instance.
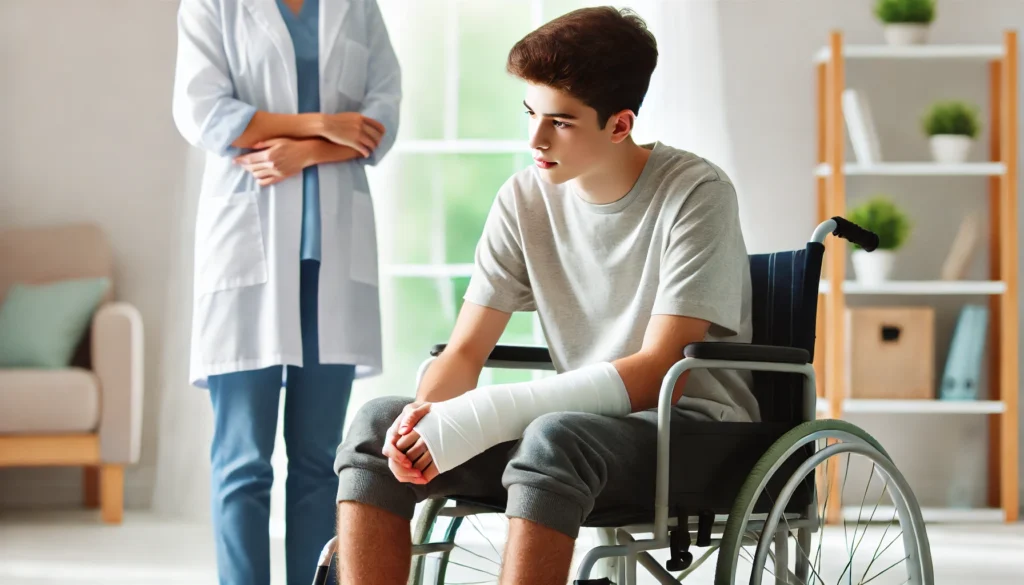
[601, 581]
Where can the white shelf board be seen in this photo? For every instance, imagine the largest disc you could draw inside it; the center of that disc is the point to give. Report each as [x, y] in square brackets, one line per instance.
[970, 52]
[885, 406]
[912, 169]
[460, 146]
[920, 287]
[931, 515]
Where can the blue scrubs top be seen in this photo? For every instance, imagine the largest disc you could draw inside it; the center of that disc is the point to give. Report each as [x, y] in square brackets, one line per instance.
[304, 28]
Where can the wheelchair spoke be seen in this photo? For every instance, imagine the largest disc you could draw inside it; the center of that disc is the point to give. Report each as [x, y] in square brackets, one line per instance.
[884, 571]
[750, 558]
[473, 523]
[867, 524]
[892, 542]
[479, 556]
[861, 511]
[451, 562]
[789, 530]
[470, 561]
[821, 520]
[810, 565]
[881, 539]
[841, 489]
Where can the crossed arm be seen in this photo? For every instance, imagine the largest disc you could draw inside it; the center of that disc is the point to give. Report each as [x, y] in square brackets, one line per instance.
[477, 330]
[208, 114]
[285, 144]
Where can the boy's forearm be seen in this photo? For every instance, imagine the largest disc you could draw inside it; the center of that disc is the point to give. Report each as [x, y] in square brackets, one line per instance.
[451, 374]
[642, 374]
[266, 125]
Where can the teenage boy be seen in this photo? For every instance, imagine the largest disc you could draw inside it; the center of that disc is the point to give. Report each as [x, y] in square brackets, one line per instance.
[627, 253]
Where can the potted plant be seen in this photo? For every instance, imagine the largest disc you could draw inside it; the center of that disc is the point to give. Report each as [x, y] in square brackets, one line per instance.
[952, 126]
[906, 21]
[883, 217]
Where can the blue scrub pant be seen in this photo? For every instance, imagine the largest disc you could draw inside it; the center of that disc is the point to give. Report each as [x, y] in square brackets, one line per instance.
[245, 406]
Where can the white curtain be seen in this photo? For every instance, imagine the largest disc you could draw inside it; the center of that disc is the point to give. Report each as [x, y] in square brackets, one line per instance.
[733, 84]
[686, 103]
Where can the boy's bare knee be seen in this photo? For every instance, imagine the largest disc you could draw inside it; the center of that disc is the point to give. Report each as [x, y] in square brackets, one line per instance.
[368, 431]
[381, 412]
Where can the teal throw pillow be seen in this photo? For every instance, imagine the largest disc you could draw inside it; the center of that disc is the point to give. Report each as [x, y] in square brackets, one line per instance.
[41, 325]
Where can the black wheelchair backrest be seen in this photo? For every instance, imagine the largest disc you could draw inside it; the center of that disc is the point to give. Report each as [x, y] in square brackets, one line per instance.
[784, 296]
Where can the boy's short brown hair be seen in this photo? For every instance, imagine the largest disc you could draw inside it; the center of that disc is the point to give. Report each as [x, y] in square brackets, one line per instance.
[602, 56]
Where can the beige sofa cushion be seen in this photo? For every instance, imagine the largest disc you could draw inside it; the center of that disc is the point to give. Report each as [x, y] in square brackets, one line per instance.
[48, 401]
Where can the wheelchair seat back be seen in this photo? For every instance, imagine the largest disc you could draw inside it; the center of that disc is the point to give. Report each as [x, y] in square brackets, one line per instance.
[784, 298]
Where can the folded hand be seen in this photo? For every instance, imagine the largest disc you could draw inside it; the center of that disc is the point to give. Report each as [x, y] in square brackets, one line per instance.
[408, 457]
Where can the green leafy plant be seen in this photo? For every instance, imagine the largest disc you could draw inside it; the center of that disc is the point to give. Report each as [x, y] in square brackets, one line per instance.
[905, 11]
[883, 217]
[952, 117]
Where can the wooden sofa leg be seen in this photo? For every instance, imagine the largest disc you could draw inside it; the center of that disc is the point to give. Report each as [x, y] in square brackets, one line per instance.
[112, 493]
[91, 486]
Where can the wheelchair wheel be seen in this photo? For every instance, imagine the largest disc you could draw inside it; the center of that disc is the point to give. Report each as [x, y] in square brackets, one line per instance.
[880, 537]
[466, 548]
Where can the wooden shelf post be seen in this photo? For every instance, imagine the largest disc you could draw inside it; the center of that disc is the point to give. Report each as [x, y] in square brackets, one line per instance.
[1010, 317]
[835, 254]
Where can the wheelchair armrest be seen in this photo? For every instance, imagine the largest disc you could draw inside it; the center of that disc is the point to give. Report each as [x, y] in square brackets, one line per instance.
[746, 352]
[509, 353]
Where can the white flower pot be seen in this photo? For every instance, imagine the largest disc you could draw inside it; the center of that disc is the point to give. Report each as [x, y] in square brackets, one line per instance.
[950, 148]
[873, 268]
[906, 33]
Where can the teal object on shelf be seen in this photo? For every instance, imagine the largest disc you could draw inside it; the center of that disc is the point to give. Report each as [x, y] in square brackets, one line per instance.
[960, 379]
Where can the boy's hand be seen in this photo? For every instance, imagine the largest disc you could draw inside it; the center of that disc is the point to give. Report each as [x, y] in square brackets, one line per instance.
[401, 438]
[416, 450]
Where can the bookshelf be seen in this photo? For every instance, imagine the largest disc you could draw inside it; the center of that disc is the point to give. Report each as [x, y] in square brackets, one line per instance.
[1001, 175]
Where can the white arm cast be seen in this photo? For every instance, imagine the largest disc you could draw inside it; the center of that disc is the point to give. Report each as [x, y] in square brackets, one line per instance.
[456, 430]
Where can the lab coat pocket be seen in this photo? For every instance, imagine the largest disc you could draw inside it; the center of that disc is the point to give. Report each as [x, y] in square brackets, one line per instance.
[352, 82]
[364, 240]
[229, 238]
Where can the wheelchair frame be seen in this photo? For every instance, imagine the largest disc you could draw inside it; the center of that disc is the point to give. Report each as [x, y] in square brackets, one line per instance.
[620, 552]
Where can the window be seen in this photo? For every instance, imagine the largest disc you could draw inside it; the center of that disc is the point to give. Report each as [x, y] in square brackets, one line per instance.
[463, 133]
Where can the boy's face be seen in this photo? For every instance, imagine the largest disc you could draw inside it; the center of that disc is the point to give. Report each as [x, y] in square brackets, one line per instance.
[565, 139]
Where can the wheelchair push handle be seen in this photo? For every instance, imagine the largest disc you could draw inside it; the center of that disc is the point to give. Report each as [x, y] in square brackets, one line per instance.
[855, 234]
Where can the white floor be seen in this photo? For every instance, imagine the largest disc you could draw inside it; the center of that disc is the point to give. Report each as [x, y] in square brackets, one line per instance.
[73, 548]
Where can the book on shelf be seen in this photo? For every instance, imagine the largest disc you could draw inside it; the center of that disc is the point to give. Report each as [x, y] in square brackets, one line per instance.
[962, 249]
[960, 378]
[861, 127]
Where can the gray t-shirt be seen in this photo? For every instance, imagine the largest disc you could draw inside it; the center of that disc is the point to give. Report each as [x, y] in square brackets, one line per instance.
[596, 273]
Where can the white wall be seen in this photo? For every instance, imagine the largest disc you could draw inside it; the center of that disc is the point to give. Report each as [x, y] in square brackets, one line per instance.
[87, 134]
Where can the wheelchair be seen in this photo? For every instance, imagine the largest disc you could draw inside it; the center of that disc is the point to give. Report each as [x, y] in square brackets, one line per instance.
[757, 493]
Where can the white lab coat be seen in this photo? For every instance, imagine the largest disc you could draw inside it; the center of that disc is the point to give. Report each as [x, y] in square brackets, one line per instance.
[247, 241]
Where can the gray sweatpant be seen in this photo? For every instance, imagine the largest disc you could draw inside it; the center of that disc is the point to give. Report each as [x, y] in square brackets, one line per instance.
[566, 468]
